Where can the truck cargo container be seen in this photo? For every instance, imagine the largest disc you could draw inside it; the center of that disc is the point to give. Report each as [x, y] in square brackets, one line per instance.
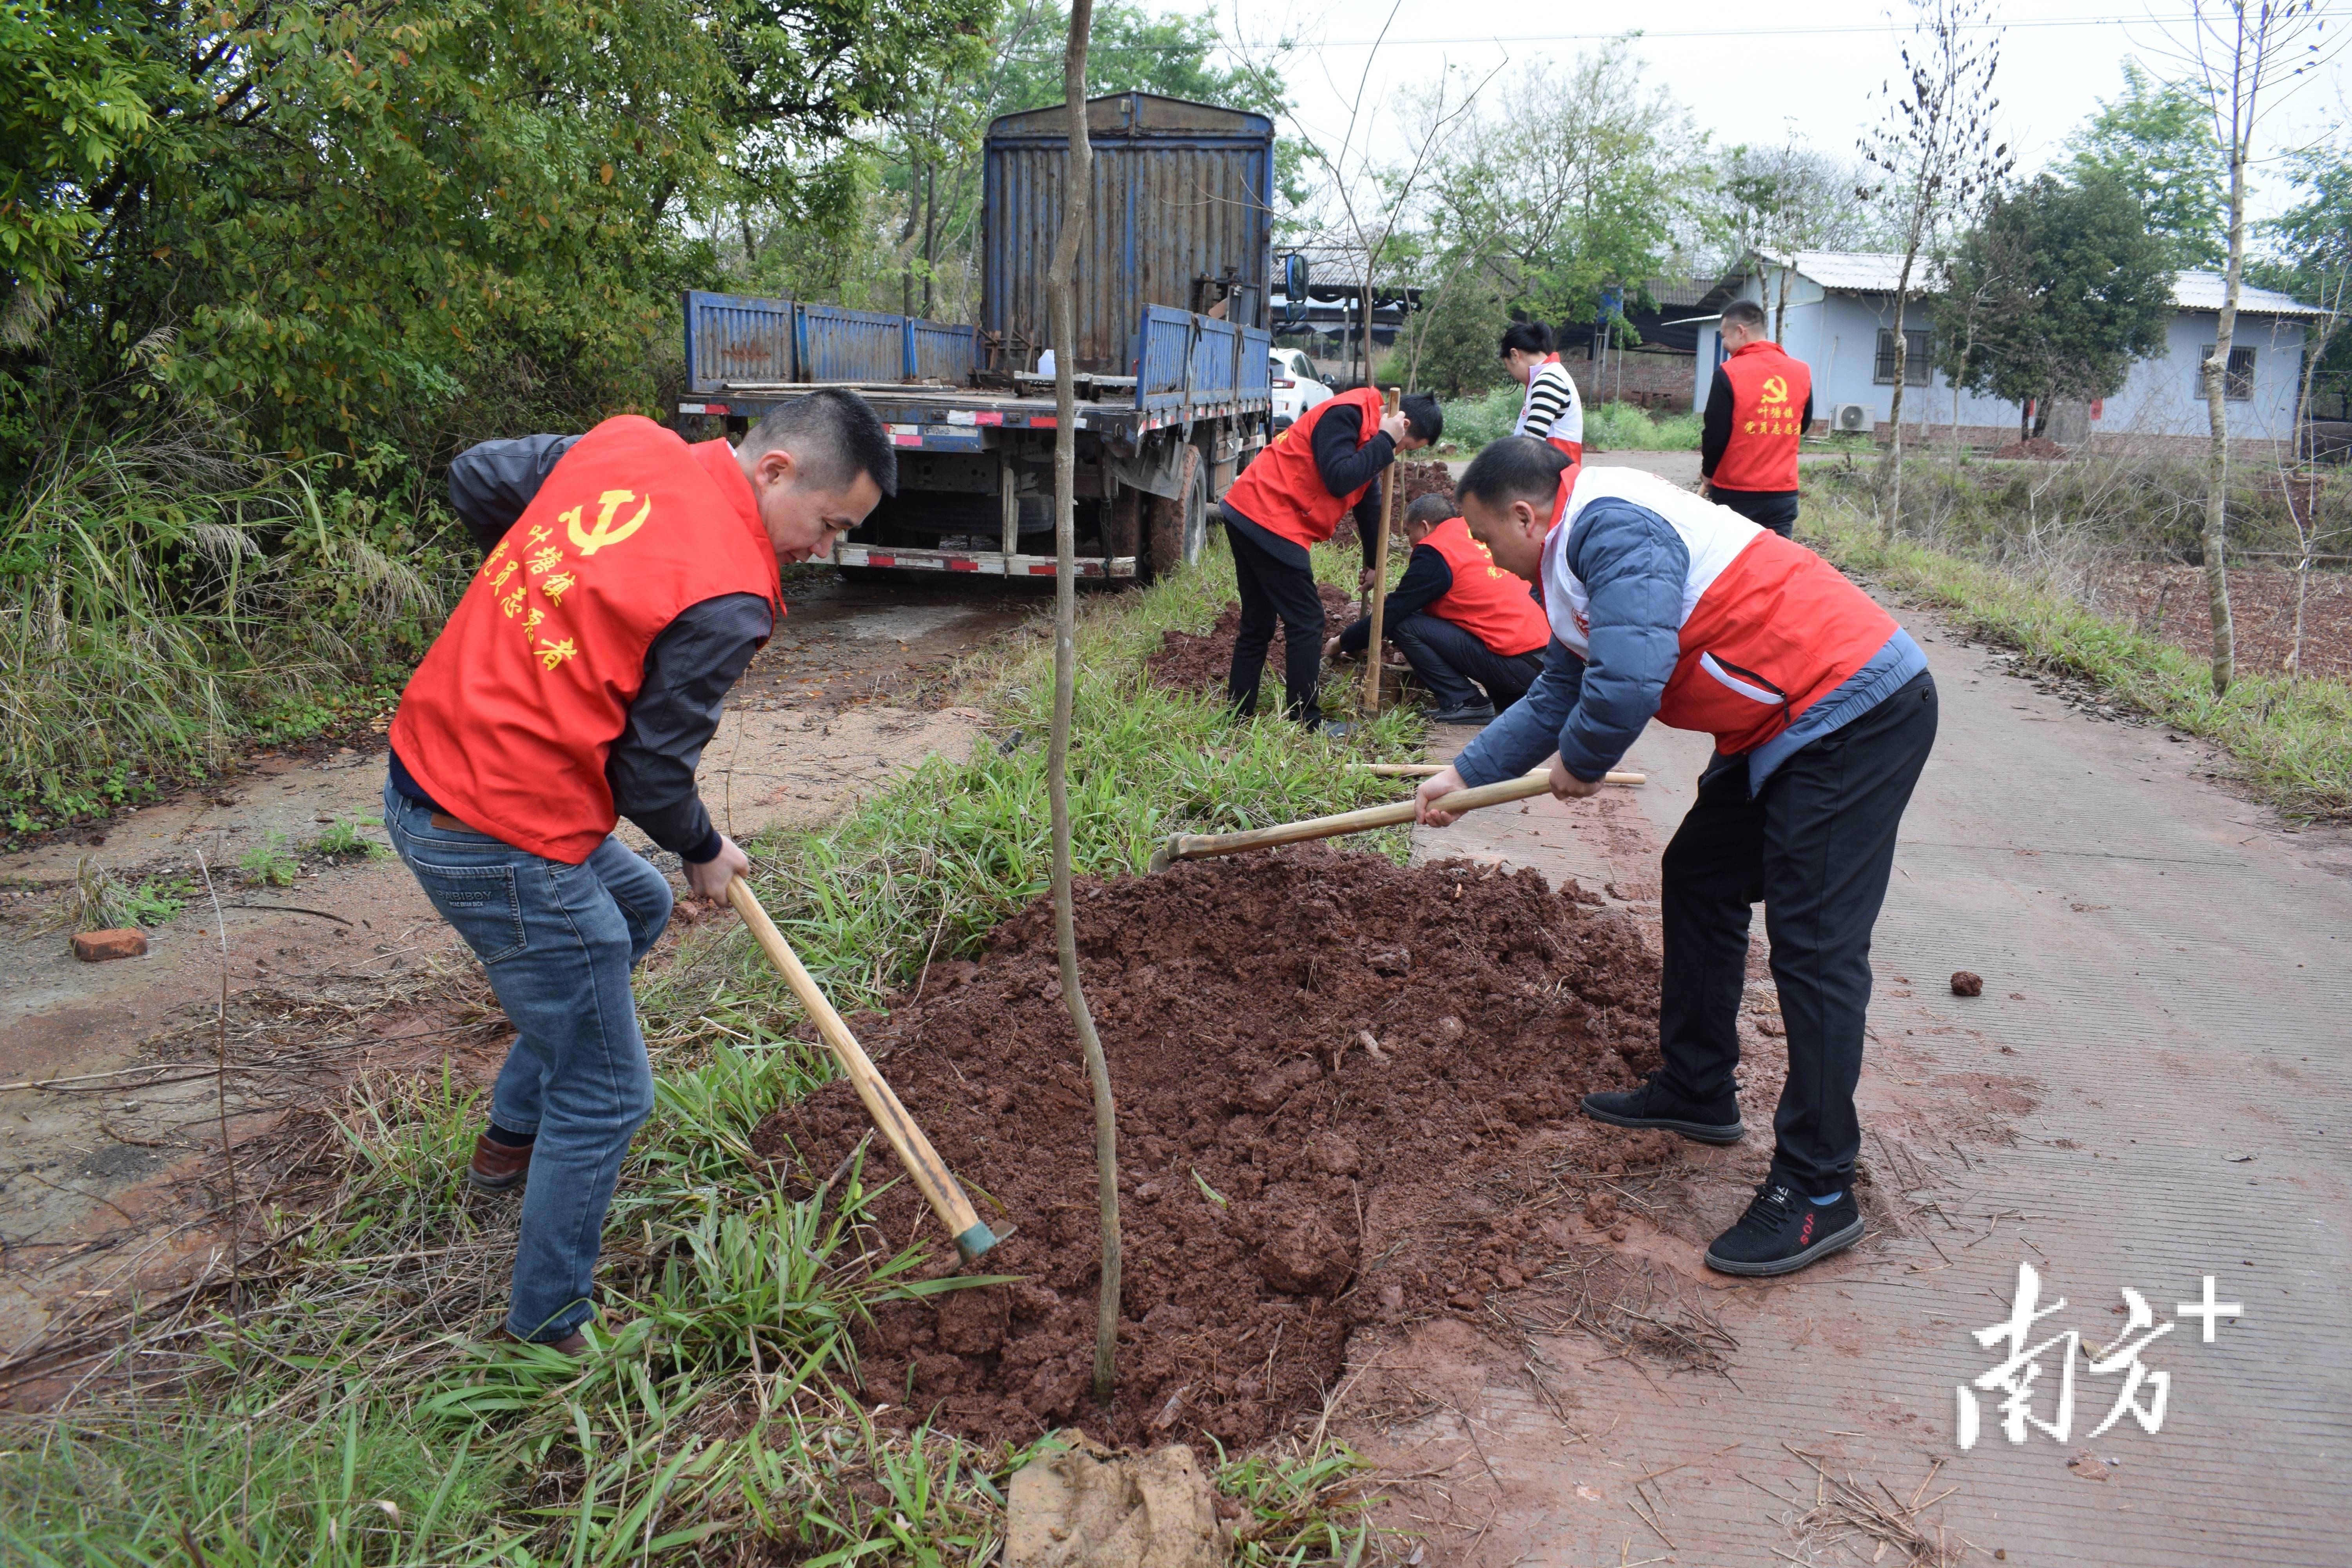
[1171, 358]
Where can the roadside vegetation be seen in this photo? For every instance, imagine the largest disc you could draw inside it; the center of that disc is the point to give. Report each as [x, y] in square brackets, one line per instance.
[349, 1404]
[2027, 576]
[1474, 422]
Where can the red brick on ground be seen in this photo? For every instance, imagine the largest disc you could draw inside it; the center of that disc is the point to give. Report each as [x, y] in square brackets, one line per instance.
[97, 946]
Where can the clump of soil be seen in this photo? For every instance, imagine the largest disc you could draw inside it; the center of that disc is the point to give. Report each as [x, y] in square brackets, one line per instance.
[1191, 662]
[1417, 479]
[1323, 1063]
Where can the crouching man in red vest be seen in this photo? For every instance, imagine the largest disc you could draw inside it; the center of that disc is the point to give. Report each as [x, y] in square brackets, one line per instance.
[1458, 618]
[1666, 607]
[631, 577]
[1292, 497]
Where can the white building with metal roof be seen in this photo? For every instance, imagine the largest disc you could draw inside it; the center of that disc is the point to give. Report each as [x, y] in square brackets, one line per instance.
[1840, 320]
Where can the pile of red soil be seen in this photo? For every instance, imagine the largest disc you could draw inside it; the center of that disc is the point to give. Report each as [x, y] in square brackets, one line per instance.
[1282, 1181]
[1413, 481]
[1190, 661]
[2039, 447]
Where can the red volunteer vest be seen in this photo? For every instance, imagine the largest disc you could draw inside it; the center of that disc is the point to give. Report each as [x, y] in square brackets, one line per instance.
[507, 723]
[1772, 628]
[1768, 409]
[1282, 491]
[1486, 601]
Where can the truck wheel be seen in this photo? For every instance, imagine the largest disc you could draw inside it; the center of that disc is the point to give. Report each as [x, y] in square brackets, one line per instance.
[1179, 525]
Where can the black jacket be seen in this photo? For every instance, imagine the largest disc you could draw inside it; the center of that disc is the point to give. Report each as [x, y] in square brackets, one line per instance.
[688, 670]
[1427, 579]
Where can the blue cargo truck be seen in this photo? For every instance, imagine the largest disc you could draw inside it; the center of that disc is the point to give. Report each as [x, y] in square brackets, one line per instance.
[1170, 360]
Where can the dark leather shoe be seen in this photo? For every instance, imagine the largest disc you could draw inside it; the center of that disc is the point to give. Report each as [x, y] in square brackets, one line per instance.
[1471, 713]
[1655, 1105]
[573, 1343]
[498, 1167]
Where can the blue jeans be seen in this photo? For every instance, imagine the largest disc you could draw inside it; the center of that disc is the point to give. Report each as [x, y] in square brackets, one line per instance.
[559, 943]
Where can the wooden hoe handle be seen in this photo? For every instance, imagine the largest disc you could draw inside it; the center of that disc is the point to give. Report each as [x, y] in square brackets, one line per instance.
[1201, 845]
[915, 1153]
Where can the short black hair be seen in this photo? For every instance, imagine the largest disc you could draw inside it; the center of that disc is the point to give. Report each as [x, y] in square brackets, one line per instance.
[1517, 468]
[1427, 419]
[1431, 509]
[835, 435]
[1527, 337]
[1744, 313]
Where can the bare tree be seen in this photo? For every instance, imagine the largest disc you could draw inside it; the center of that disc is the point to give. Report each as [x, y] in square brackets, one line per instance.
[1061, 280]
[2243, 55]
[1933, 155]
[2302, 500]
[1373, 201]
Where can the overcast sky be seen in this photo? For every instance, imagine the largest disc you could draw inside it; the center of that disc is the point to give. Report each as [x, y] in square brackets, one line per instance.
[1750, 74]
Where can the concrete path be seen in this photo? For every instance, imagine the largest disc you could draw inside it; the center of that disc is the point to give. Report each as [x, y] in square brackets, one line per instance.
[2154, 1090]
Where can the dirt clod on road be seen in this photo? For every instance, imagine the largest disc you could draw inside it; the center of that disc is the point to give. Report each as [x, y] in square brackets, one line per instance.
[1281, 1186]
[1966, 985]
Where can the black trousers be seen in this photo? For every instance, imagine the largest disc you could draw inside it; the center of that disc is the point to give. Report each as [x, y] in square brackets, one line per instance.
[1446, 659]
[1272, 588]
[1775, 510]
[1816, 848]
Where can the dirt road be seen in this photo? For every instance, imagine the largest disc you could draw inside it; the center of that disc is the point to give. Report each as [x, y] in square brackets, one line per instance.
[340, 967]
[2153, 1091]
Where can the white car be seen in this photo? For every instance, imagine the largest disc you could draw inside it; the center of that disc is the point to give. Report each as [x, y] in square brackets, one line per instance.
[1295, 390]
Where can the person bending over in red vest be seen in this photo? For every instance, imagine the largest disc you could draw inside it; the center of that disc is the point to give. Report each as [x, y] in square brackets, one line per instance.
[1757, 411]
[1292, 497]
[1666, 607]
[1458, 618]
[631, 577]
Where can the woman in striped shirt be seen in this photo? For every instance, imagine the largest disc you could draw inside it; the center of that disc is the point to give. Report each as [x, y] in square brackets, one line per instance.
[1552, 412]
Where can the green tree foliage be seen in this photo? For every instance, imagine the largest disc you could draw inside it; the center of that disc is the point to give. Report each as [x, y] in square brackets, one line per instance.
[2156, 139]
[1574, 181]
[2311, 259]
[331, 225]
[2055, 293]
[1450, 343]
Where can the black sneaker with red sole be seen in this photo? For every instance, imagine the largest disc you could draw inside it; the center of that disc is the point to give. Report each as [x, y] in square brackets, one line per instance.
[1782, 1231]
[1655, 1105]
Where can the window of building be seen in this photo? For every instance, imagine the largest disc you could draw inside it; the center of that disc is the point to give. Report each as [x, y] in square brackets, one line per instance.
[2238, 385]
[1915, 358]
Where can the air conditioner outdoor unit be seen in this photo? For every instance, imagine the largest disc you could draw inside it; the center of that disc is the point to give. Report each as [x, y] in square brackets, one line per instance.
[1854, 418]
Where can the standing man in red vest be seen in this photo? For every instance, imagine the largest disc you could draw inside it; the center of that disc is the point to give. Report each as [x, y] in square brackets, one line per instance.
[1757, 411]
[631, 577]
[1293, 497]
[1458, 618]
[1666, 607]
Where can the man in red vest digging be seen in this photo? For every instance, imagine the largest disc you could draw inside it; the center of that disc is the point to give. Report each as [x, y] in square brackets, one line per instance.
[1664, 605]
[1757, 412]
[1458, 618]
[1292, 497]
[631, 577]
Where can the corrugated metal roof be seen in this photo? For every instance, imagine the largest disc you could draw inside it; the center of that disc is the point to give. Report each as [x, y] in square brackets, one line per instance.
[2205, 291]
[1870, 272]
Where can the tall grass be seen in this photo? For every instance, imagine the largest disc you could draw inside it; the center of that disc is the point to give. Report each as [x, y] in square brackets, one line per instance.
[357, 1408]
[2293, 738]
[165, 601]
